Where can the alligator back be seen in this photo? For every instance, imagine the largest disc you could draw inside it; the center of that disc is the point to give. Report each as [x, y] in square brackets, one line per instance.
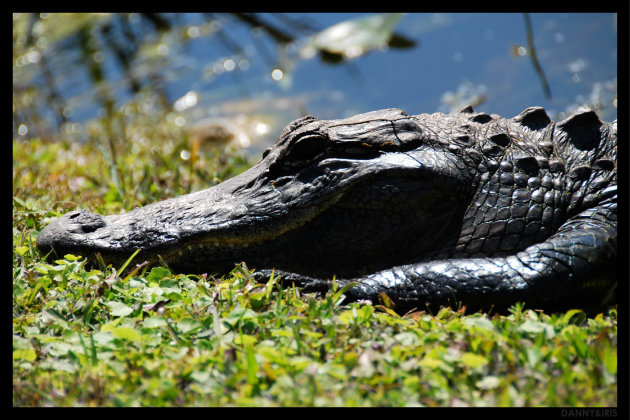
[530, 174]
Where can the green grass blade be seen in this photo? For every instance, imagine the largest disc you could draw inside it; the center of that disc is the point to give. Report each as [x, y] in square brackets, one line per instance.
[122, 268]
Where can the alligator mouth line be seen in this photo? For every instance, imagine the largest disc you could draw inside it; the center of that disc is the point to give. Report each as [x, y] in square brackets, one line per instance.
[245, 241]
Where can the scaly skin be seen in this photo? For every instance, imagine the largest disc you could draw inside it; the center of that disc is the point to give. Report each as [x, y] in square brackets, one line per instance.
[432, 209]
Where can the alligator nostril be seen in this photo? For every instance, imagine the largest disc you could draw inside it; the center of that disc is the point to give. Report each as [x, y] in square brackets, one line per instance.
[86, 221]
[90, 228]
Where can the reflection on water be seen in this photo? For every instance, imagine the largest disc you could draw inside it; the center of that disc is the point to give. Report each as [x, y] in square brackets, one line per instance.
[239, 78]
[466, 93]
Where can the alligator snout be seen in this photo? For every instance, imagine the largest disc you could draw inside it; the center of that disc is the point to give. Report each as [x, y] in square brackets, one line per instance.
[85, 221]
[61, 233]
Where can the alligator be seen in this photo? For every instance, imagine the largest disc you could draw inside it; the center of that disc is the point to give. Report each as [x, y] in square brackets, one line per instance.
[462, 209]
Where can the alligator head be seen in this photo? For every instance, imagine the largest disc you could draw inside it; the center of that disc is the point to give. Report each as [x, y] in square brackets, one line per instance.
[328, 198]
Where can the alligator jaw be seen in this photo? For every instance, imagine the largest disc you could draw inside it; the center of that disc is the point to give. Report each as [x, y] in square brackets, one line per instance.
[247, 218]
[325, 200]
[213, 228]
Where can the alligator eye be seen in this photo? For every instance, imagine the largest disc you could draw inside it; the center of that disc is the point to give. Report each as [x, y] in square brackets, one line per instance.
[307, 148]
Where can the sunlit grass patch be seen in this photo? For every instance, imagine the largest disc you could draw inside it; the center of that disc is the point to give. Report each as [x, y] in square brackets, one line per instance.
[91, 338]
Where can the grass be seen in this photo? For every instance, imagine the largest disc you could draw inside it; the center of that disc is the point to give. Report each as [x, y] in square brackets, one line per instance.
[149, 337]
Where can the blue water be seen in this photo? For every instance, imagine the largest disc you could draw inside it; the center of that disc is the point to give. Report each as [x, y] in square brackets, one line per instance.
[457, 59]
[473, 48]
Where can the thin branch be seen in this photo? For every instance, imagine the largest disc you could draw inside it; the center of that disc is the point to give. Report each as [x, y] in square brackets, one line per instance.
[532, 54]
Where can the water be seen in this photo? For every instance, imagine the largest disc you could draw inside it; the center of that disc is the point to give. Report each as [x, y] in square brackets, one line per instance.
[227, 74]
